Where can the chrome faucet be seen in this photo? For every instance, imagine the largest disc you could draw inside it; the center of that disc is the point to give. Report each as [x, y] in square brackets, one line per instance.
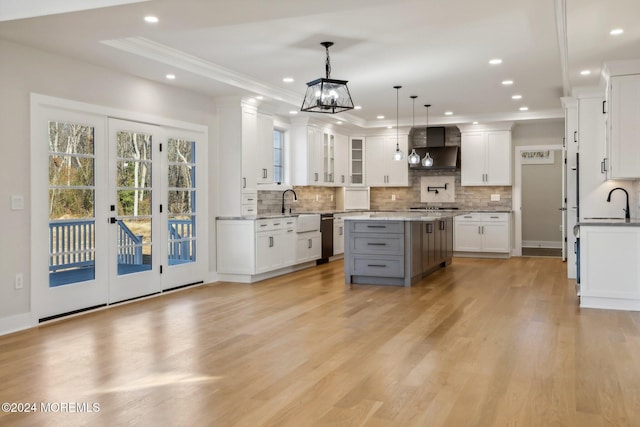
[627, 216]
[295, 197]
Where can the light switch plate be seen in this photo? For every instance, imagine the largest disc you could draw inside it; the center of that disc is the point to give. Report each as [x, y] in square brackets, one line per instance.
[17, 203]
[495, 197]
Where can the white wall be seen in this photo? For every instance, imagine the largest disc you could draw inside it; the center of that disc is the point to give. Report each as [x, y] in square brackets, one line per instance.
[24, 70]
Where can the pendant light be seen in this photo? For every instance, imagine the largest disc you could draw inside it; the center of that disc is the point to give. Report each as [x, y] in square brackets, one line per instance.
[413, 158]
[327, 95]
[397, 155]
[427, 161]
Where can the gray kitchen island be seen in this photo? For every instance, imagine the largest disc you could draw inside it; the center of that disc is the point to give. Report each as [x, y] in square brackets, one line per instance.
[396, 249]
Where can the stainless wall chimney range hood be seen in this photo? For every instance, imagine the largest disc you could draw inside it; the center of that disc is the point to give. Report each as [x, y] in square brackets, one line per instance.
[443, 157]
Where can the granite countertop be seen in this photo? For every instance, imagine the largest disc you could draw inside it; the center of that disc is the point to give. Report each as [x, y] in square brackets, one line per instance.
[413, 214]
[615, 222]
[402, 216]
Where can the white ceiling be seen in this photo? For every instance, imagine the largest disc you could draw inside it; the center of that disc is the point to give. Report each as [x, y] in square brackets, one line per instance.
[435, 49]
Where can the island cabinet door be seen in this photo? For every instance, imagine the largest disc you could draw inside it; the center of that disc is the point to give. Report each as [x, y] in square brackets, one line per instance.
[428, 244]
[416, 248]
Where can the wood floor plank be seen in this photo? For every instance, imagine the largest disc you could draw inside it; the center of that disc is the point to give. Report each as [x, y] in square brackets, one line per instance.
[483, 342]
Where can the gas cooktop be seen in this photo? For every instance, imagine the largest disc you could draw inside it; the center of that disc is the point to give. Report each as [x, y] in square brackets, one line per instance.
[433, 208]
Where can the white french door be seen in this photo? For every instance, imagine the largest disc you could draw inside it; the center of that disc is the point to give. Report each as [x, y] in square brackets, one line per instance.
[135, 200]
[122, 211]
[69, 260]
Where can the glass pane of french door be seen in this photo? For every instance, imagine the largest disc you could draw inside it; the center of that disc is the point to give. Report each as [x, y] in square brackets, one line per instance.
[181, 201]
[134, 193]
[71, 203]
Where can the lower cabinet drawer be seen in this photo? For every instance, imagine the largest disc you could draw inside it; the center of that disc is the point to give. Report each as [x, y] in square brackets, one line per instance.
[378, 226]
[389, 244]
[378, 266]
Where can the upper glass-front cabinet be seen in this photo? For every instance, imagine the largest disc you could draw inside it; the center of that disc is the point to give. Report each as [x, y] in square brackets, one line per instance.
[356, 161]
[329, 158]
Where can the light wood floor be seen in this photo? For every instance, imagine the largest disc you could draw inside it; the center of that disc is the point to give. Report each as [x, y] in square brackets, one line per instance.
[482, 343]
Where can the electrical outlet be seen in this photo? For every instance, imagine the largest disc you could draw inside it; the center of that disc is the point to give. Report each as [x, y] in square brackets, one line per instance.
[317, 197]
[19, 281]
[495, 197]
[393, 197]
[332, 197]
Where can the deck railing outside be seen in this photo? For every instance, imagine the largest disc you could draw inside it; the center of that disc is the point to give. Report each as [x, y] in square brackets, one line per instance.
[72, 243]
[180, 241]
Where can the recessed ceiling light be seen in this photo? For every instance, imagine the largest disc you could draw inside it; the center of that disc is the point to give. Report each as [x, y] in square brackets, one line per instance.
[288, 80]
[259, 97]
[339, 122]
[151, 19]
[293, 112]
[357, 107]
[507, 82]
[171, 76]
[475, 123]
[616, 31]
[524, 108]
[389, 127]
[448, 113]
[585, 72]
[379, 117]
[516, 97]
[495, 61]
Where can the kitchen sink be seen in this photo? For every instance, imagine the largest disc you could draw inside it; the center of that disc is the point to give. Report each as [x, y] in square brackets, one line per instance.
[308, 222]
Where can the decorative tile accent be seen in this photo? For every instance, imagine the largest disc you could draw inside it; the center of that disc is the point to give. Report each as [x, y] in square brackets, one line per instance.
[437, 189]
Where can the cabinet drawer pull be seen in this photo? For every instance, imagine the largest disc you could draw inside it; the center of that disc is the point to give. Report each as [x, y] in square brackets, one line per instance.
[376, 226]
[377, 244]
[468, 216]
[442, 225]
[310, 244]
[276, 223]
[377, 265]
[263, 225]
[494, 217]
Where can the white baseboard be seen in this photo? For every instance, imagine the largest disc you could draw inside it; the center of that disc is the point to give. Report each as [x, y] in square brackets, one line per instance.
[542, 244]
[16, 323]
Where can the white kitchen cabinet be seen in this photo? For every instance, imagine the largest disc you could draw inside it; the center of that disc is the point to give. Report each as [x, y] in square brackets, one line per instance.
[381, 169]
[486, 157]
[235, 242]
[356, 162]
[308, 247]
[264, 149]
[609, 268]
[250, 247]
[623, 127]
[269, 245]
[341, 160]
[237, 136]
[483, 232]
[275, 244]
[319, 156]
[249, 202]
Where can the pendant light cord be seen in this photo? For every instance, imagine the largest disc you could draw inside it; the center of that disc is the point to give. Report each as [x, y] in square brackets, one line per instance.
[327, 65]
[397, 88]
